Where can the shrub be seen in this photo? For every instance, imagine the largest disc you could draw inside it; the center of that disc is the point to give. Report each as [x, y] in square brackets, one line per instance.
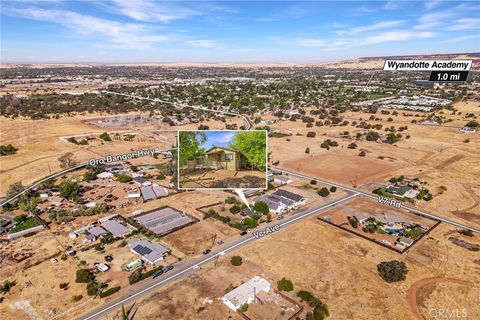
[105, 137]
[123, 178]
[311, 134]
[7, 149]
[307, 150]
[235, 209]
[108, 292]
[84, 276]
[323, 192]
[93, 287]
[333, 189]
[243, 308]
[284, 285]
[77, 298]
[392, 271]
[352, 146]
[236, 261]
[261, 207]
[231, 200]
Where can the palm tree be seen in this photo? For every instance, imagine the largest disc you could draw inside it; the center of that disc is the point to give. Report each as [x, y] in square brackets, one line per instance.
[126, 314]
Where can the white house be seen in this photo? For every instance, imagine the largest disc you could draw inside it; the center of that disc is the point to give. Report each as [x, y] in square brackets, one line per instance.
[282, 179]
[105, 175]
[245, 293]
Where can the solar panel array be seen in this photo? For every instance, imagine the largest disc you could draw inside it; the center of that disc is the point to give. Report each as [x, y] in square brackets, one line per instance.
[142, 250]
[163, 220]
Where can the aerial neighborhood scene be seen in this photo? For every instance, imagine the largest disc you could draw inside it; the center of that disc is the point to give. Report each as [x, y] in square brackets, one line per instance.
[257, 160]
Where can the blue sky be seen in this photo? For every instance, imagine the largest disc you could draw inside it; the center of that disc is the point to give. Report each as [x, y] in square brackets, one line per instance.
[218, 138]
[146, 31]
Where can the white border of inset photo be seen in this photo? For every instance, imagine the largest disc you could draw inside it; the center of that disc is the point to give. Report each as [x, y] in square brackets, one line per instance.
[228, 189]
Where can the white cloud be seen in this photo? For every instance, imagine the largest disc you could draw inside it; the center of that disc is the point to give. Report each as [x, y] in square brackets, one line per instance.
[396, 35]
[266, 19]
[147, 10]
[432, 4]
[431, 20]
[125, 34]
[203, 43]
[465, 24]
[372, 27]
[311, 42]
[463, 38]
[392, 5]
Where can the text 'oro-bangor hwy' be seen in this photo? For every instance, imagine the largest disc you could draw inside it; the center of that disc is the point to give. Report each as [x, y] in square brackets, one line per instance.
[122, 157]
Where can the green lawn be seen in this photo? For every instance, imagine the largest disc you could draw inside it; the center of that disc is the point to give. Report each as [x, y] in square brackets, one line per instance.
[27, 224]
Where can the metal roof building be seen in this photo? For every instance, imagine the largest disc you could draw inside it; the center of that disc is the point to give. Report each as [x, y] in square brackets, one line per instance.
[151, 252]
[115, 228]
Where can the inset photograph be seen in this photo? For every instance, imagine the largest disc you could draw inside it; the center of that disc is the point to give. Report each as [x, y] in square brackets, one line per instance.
[222, 159]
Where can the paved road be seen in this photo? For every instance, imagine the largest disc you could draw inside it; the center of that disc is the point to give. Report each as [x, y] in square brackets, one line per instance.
[187, 266]
[372, 196]
[248, 123]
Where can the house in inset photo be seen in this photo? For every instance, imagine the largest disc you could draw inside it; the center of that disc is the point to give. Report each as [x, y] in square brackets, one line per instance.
[222, 159]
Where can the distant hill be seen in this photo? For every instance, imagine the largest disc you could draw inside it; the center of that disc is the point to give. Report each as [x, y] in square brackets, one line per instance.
[377, 62]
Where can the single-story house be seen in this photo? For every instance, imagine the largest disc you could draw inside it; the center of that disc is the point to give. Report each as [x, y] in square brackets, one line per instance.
[273, 203]
[160, 191]
[296, 198]
[361, 217]
[89, 238]
[113, 167]
[105, 175]
[405, 242]
[390, 217]
[90, 204]
[147, 193]
[115, 228]
[150, 252]
[246, 292]
[402, 191]
[282, 179]
[97, 231]
[224, 158]
[142, 181]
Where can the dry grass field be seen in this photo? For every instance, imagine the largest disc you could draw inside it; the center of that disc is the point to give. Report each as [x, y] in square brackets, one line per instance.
[340, 269]
[39, 146]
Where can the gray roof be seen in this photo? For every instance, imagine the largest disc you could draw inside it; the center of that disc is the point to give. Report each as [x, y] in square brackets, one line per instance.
[289, 195]
[398, 190]
[140, 180]
[163, 220]
[147, 193]
[160, 191]
[282, 178]
[97, 231]
[115, 228]
[150, 251]
[407, 241]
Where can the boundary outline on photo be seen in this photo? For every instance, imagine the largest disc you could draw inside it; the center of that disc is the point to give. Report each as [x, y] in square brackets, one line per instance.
[225, 189]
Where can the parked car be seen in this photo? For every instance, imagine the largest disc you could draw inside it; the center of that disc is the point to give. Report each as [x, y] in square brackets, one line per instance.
[54, 260]
[167, 268]
[157, 273]
[219, 242]
[207, 251]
